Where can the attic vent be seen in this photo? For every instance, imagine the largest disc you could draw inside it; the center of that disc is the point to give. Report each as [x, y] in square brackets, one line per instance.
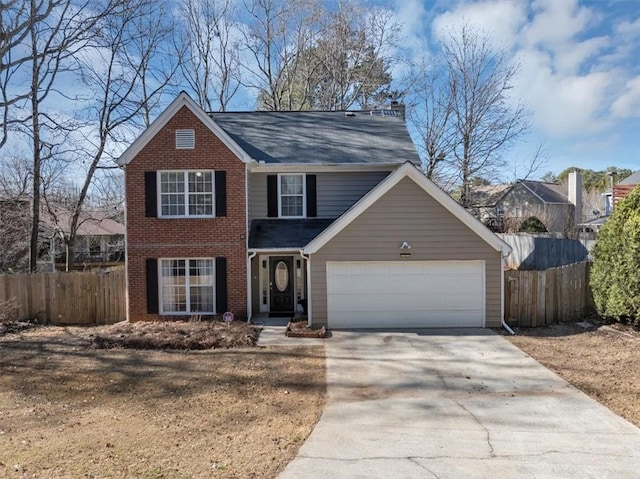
[349, 113]
[382, 113]
[185, 139]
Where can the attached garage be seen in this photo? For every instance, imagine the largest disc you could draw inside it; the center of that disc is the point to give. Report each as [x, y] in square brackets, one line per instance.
[401, 294]
[406, 256]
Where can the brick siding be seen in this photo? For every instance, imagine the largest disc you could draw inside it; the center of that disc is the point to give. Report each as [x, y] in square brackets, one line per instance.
[186, 238]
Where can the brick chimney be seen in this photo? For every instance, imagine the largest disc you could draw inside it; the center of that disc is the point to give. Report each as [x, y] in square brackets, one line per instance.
[574, 195]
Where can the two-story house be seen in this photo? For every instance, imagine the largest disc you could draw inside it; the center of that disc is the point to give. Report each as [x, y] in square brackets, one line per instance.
[279, 212]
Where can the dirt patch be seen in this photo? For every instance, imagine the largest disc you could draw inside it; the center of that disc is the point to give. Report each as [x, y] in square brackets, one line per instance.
[69, 410]
[601, 360]
[176, 335]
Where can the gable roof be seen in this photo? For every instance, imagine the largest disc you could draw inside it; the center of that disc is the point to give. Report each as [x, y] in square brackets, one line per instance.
[182, 100]
[487, 195]
[547, 192]
[633, 179]
[320, 137]
[407, 170]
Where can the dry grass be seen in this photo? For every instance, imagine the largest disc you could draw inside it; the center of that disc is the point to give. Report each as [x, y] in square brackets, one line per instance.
[68, 410]
[604, 362]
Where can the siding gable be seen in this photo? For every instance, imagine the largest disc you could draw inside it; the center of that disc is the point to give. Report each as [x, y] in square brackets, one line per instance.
[407, 213]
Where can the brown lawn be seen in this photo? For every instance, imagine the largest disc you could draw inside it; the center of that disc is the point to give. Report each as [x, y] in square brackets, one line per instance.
[70, 410]
[603, 361]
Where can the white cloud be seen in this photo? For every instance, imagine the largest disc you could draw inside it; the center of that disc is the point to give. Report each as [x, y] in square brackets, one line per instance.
[556, 23]
[628, 104]
[500, 19]
[562, 105]
[629, 29]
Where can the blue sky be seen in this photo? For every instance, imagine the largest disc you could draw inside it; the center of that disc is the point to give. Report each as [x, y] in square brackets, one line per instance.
[579, 70]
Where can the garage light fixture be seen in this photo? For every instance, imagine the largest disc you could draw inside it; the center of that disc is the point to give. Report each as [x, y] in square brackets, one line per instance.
[404, 250]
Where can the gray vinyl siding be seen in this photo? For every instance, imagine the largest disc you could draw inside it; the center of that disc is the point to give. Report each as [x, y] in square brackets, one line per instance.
[407, 213]
[336, 192]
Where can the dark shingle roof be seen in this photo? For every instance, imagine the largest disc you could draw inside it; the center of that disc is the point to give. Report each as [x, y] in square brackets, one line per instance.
[285, 233]
[319, 137]
[634, 179]
[547, 192]
[487, 195]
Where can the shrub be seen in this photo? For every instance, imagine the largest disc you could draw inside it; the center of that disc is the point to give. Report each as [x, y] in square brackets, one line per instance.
[615, 274]
[9, 310]
[532, 225]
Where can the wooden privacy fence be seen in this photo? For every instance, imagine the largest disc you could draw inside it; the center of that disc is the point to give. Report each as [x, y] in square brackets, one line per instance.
[537, 298]
[67, 298]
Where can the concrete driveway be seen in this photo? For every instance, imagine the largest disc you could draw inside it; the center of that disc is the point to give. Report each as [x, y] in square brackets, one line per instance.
[457, 404]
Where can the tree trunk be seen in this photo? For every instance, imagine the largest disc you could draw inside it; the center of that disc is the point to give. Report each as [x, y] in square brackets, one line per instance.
[70, 260]
[37, 160]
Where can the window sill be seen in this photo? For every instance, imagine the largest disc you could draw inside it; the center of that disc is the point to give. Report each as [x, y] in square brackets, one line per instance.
[184, 217]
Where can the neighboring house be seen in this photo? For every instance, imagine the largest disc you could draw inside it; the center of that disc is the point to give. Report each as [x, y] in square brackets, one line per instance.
[611, 198]
[623, 188]
[279, 212]
[503, 208]
[99, 241]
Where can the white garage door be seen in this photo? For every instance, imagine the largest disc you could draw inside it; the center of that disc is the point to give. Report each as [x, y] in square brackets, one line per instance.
[416, 294]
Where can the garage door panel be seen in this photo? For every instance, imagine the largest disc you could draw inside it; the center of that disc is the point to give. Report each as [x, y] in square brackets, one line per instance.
[405, 294]
[425, 302]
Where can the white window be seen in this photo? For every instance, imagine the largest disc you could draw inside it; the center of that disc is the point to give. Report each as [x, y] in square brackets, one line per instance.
[186, 193]
[187, 286]
[185, 139]
[291, 196]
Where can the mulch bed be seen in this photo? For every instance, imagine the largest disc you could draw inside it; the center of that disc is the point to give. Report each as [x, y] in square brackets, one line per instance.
[12, 327]
[180, 335]
[300, 329]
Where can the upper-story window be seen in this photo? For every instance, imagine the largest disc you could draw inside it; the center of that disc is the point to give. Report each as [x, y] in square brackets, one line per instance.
[186, 193]
[291, 196]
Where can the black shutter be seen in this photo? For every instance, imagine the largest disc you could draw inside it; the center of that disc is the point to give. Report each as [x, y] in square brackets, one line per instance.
[221, 193]
[152, 286]
[150, 194]
[221, 285]
[272, 196]
[312, 203]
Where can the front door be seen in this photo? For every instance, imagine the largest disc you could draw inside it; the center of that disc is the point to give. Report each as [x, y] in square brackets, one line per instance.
[281, 284]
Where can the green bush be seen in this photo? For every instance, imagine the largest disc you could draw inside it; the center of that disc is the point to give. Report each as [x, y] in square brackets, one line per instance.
[615, 273]
[532, 225]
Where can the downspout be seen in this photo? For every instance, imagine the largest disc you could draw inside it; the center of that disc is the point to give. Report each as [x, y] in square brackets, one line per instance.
[504, 324]
[249, 302]
[308, 293]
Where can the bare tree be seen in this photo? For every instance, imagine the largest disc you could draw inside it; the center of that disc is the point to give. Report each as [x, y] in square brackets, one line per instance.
[120, 96]
[211, 62]
[149, 51]
[17, 19]
[46, 35]
[430, 113]
[528, 167]
[485, 120]
[276, 36]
